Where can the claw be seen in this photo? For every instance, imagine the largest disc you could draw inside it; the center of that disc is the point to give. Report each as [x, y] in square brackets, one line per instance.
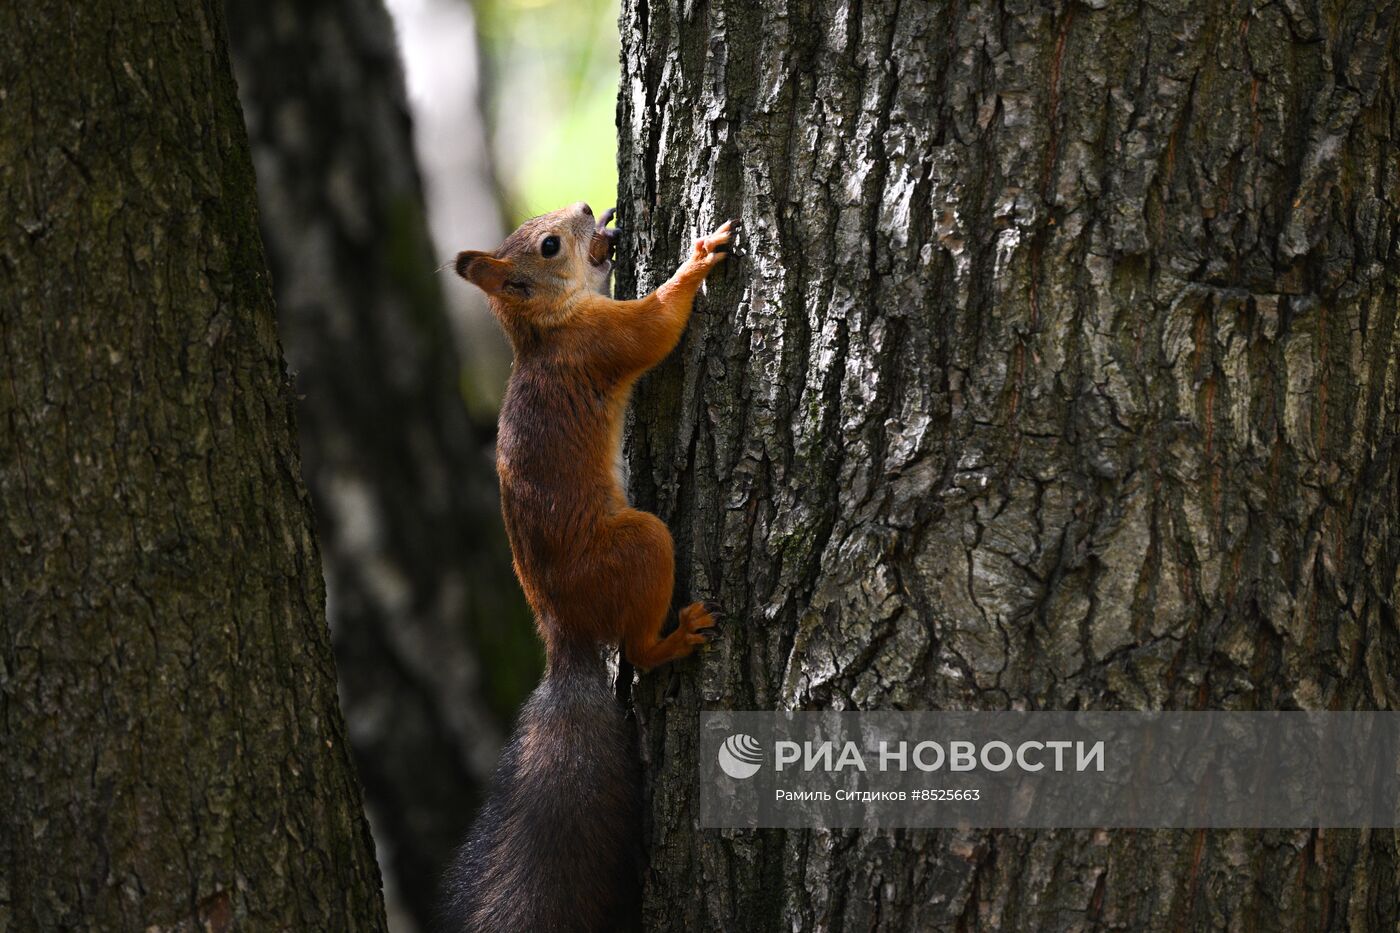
[733, 228]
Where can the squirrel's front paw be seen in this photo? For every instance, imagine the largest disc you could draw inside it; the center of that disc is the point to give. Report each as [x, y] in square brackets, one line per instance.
[711, 250]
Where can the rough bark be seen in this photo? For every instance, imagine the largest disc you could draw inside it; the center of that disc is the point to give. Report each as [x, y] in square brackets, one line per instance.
[433, 643]
[1061, 372]
[173, 756]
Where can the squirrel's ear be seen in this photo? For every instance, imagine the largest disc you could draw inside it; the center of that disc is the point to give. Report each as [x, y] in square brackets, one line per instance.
[483, 270]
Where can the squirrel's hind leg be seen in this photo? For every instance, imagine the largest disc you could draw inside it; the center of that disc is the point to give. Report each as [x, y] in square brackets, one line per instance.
[650, 650]
[645, 570]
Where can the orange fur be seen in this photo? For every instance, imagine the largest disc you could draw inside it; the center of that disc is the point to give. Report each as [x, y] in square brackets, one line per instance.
[592, 567]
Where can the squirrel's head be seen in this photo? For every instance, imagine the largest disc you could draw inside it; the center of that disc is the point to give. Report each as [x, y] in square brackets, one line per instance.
[534, 273]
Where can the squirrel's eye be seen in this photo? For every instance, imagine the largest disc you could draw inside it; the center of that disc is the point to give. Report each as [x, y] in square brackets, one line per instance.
[549, 247]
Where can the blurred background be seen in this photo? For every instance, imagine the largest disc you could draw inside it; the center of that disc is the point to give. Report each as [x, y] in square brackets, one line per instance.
[513, 107]
[386, 137]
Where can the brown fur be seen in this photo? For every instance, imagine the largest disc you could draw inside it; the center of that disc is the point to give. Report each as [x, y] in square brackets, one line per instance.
[555, 847]
[591, 566]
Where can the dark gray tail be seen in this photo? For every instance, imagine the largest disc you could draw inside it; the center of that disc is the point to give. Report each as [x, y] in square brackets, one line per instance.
[556, 847]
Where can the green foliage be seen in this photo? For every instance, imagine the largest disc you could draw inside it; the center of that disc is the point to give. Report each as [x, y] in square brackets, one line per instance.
[552, 94]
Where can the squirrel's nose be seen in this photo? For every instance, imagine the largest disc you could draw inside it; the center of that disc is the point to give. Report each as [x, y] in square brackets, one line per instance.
[583, 207]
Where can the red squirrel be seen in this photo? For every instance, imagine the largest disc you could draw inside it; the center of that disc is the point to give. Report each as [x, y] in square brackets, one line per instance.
[555, 847]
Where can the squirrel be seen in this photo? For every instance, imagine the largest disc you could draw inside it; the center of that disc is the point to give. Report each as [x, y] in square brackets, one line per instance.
[556, 845]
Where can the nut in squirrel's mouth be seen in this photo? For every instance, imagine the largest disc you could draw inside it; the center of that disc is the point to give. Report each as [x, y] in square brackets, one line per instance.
[600, 248]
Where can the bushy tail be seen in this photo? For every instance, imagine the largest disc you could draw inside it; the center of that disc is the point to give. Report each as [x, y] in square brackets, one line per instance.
[555, 849]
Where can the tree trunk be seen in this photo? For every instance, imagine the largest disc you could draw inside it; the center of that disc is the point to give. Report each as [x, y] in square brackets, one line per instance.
[422, 599]
[1060, 372]
[173, 754]
[451, 135]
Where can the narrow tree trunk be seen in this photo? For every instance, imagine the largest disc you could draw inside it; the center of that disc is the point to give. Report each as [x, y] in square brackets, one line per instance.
[173, 756]
[423, 603]
[452, 139]
[1061, 372]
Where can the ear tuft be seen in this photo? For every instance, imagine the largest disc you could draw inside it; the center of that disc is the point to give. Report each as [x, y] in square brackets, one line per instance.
[483, 270]
[464, 261]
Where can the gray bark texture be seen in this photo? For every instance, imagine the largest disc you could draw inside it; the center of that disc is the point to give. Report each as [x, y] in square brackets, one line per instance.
[433, 643]
[171, 753]
[1059, 372]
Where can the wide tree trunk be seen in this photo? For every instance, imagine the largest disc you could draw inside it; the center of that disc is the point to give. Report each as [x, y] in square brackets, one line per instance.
[1060, 372]
[432, 640]
[173, 755]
